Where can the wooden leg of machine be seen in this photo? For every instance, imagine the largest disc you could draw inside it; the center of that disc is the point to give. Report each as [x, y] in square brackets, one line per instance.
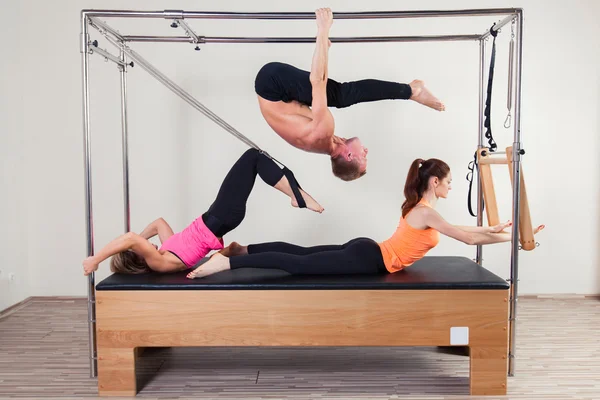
[488, 370]
[116, 367]
[525, 226]
[487, 183]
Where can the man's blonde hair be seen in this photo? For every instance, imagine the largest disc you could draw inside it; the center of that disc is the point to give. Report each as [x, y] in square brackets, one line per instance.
[346, 170]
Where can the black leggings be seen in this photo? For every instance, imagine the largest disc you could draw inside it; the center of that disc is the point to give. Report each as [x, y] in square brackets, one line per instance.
[358, 256]
[283, 82]
[229, 208]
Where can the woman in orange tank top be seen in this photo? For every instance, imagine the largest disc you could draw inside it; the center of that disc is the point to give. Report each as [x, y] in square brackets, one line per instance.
[417, 233]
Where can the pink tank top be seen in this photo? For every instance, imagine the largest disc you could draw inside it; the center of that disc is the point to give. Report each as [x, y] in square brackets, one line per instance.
[192, 243]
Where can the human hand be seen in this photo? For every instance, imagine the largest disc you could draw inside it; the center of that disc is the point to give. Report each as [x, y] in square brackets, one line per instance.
[89, 266]
[324, 18]
[500, 227]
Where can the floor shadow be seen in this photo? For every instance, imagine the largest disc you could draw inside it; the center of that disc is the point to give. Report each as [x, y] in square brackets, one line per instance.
[335, 371]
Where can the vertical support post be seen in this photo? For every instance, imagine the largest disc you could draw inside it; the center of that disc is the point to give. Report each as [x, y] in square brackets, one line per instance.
[479, 254]
[127, 213]
[88, 192]
[514, 259]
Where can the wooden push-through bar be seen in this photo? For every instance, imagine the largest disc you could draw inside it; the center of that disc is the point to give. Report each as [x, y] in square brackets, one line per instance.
[485, 160]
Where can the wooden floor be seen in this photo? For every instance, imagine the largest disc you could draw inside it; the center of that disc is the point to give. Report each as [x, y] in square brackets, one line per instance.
[44, 354]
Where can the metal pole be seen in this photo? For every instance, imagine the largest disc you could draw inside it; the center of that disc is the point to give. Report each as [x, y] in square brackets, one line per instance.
[96, 23]
[183, 94]
[365, 39]
[189, 31]
[514, 259]
[170, 14]
[88, 193]
[107, 55]
[123, 74]
[479, 254]
[499, 25]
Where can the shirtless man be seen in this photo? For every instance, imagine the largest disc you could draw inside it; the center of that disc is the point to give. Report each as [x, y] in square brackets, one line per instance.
[295, 104]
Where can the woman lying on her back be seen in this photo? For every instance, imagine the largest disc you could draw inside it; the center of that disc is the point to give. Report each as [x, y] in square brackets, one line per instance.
[417, 233]
[134, 254]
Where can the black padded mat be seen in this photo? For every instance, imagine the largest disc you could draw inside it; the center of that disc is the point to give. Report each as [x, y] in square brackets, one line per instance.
[427, 273]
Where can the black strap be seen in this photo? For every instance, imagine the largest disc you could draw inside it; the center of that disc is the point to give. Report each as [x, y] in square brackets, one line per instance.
[487, 123]
[488, 103]
[295, 187]
[470, 175]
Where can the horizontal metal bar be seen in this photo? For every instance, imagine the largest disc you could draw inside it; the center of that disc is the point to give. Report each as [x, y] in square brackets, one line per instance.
[106, 54]
[367, 39]
[173, 14]
[96, 23]
[300, 15]
[499, 25]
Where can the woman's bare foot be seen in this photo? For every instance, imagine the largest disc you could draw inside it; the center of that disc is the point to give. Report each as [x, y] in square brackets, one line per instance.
[217, 263]
[422, 95]
[234, 249]
[311, 204]
[284, 186]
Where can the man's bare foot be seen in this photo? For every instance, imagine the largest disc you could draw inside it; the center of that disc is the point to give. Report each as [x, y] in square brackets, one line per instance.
[217, 263]
[234, 249]
[422, 95]
[311, 204]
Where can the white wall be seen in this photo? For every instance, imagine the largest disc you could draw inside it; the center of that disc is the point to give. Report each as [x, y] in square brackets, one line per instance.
[14, 282]
[178, 157]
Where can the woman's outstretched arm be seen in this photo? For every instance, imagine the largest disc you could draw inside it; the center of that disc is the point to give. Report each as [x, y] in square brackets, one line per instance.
[128, 241]
[486, 229]
[158, 227]
[434, 220]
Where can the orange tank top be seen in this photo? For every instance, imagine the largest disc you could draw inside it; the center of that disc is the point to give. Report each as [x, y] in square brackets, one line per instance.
[408, 244]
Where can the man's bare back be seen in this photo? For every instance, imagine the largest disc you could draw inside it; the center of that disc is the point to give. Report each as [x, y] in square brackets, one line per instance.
[293, 121]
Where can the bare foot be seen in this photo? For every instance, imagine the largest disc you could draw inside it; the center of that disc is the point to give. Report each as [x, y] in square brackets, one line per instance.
[422, 95]
[311, 204]
[234, 249]
[217, 263]
[284, 186]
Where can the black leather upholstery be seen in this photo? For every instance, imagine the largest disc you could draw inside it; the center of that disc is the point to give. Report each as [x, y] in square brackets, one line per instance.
[428, 273]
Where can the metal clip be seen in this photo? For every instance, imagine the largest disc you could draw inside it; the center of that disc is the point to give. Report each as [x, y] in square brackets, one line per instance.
[509, 120]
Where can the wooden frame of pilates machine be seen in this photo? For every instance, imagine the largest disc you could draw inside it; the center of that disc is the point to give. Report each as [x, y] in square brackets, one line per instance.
[485, 160]
[129, 320]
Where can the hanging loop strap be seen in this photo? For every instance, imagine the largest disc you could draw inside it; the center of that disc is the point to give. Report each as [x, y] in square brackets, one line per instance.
[472, 167]
[488, 103]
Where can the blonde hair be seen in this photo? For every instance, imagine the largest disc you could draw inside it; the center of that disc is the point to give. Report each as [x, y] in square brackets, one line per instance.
[346, 170]
[128, 262]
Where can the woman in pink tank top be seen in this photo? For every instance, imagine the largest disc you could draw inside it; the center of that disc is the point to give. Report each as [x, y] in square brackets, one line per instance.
[133, 253]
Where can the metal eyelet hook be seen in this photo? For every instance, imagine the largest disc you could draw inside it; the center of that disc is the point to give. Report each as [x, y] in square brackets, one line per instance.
[537, 244]
[508, 121]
